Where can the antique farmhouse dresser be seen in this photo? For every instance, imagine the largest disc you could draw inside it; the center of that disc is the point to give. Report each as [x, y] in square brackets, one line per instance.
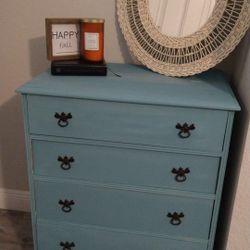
[132, 162]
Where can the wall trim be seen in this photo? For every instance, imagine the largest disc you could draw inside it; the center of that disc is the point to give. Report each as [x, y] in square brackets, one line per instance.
[14, 199]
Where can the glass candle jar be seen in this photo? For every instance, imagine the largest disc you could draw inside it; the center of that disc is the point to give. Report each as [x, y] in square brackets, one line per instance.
[92, 39]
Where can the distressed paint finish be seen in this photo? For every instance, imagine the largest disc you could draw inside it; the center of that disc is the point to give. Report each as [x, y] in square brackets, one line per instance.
[137, 124]
[102, 239]
[132, 210]
[122, 136]
[138, 167]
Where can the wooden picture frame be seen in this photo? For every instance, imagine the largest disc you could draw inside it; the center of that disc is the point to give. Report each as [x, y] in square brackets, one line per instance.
[62, 38]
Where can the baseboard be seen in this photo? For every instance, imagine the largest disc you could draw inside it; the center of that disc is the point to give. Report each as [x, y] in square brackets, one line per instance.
[14, 200]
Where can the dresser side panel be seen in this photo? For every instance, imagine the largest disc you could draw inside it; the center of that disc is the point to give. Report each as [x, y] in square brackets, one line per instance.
[30, 169]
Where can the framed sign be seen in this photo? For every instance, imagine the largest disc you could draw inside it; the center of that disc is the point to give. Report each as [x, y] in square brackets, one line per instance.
[62, 38]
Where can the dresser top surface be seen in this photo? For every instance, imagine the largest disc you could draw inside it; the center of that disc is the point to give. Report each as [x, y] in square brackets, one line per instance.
[137, 84]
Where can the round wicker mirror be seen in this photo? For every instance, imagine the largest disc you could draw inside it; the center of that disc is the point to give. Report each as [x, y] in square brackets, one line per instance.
[188, 55]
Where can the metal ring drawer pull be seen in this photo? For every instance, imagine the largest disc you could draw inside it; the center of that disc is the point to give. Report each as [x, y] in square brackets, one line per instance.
[67, 246]
[63, 119]
[66, 205]
[175, 218]
[65, 162]
[184, 130]
[180, 174]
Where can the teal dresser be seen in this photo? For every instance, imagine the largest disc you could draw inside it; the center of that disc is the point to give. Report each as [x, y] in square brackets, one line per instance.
[132, 162]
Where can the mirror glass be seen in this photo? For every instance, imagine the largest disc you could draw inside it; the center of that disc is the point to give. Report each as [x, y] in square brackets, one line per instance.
[178, 18]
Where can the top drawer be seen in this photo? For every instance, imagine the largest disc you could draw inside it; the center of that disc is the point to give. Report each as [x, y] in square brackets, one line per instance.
[128, 123]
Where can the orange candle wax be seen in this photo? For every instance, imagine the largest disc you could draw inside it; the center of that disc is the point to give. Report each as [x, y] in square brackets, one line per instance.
[92, 39]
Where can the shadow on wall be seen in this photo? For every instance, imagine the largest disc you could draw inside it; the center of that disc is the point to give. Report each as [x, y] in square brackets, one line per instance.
[38, 56]
[13, 162]
[233, 170]
[237, 149]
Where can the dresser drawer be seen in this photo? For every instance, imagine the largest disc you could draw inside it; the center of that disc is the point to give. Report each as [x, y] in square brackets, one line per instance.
[51, 237]
[128, 123]
[124, 209]
[105, 164]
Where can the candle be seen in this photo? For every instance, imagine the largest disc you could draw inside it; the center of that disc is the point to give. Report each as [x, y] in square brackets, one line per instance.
[92, 39]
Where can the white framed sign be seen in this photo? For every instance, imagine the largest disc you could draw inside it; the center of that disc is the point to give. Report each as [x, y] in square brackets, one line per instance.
[62, 38]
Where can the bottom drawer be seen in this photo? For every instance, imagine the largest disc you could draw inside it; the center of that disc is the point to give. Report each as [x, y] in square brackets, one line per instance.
[74, 237]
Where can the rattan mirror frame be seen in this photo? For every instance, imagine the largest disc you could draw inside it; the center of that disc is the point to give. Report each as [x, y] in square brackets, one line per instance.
[183, 56]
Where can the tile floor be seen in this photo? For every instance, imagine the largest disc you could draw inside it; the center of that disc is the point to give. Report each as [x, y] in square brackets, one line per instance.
[15, 230]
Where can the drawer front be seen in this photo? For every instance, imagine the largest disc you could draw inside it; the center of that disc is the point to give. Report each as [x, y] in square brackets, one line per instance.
[124, 209]
[105, 164]
[51, 237]
[128, 123]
